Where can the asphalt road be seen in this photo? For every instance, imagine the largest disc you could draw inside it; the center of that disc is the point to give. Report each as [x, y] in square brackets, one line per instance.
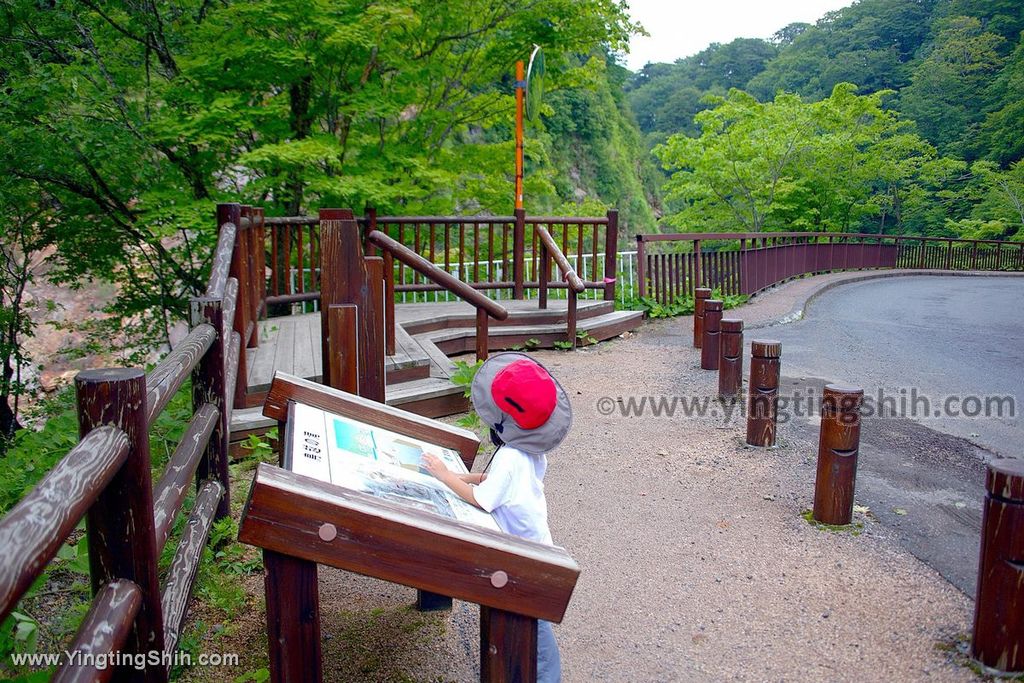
[921, 472]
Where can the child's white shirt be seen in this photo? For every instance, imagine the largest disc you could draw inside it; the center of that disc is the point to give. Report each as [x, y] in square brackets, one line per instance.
[514, 492]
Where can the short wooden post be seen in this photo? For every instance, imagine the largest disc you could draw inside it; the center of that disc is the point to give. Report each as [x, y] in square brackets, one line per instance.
[763, 392]
[376, 324]
[482, 334]
[209, 386]
[508, 647]
[974, 254]
[711, 339]
[571, 316]
[611, 246]
[730, 362]
[998, 641]
[293, 619]
[700, 295]
[120, 526]
[519, 254]
[838, 446]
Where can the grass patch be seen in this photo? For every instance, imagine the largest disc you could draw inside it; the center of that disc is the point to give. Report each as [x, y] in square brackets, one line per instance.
[854, 528]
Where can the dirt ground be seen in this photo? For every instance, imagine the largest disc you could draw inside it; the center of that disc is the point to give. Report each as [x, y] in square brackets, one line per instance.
[697, 564]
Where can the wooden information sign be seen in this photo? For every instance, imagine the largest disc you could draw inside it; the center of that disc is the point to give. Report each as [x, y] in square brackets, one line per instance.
[370, 510]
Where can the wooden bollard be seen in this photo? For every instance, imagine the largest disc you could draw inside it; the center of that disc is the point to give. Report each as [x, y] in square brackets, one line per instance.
[730, 358]
[712, 334]
[998, 641]
[700, 295]
[838, 446]
[764, 392]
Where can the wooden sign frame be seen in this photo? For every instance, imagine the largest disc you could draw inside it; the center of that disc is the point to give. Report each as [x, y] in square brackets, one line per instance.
[300, 522]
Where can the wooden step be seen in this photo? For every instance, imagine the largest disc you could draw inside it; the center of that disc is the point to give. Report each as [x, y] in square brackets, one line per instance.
[463, 340]
[556, 314]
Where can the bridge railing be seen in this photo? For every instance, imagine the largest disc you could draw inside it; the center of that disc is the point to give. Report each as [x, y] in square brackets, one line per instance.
[672, 265]
[107, 480]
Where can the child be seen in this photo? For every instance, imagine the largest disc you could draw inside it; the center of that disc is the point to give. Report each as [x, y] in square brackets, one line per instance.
[529, 414]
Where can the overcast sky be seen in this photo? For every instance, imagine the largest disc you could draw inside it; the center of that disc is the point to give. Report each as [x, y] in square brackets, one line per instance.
[680, 28]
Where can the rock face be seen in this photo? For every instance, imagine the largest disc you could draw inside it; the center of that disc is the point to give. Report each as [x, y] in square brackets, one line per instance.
[52, 380]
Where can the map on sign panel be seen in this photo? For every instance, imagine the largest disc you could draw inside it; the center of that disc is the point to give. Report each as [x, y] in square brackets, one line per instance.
[372, 460]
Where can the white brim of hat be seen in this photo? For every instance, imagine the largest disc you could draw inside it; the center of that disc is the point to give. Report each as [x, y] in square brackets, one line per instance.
[535, 441]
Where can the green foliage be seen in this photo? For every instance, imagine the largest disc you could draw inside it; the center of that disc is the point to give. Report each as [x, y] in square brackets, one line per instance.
[584, 338]
[123, 124]
[790, 164]
[464, 374]
[565, 345]
[683, 304]
[956, 69]
[33, 453]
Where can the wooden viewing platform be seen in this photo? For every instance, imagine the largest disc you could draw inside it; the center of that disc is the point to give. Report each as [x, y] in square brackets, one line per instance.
[427, 335]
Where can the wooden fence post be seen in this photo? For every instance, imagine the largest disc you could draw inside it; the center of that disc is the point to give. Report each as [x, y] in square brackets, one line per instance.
[641, 266]
[209, 386]
[998, 641]
[712, 334]
[611, 247]
[697, 269]
[518, 255]
[120, 525]
[763, 391]
[345, 280]
[838, 446]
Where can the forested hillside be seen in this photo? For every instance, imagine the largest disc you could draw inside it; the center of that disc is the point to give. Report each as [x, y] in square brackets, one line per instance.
[122, 124]
[928, 139]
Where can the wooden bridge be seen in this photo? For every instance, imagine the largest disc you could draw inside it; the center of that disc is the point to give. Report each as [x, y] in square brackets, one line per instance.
[469, 285]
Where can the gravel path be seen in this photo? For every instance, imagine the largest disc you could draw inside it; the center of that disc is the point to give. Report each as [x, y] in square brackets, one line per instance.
[696, 562]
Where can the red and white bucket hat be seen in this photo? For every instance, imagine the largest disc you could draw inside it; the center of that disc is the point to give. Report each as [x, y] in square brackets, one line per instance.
[519, 399]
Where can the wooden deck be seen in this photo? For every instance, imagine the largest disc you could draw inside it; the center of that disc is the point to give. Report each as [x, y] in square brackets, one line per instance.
[418, 375]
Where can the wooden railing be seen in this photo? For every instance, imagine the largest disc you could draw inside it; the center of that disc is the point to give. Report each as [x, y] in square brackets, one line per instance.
[500, 254]
[672, 265]
[485, 308]
[106, 478]
[550, 252]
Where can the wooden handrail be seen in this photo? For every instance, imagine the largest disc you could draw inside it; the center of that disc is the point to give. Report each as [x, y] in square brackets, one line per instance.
[105, 629]
[568, 273]
[222, 260]
[438, 275]
[34, 529]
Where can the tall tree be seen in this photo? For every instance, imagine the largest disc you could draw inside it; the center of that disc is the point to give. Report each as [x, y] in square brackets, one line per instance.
[947, 92]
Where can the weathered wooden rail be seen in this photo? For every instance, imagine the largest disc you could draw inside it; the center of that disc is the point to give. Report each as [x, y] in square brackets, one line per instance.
[107, 477]
[673, 265]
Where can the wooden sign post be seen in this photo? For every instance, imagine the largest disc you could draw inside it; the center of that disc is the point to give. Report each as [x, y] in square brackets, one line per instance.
[392, 531]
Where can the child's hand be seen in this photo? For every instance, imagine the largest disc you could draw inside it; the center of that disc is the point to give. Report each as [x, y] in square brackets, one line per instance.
[434, 465]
